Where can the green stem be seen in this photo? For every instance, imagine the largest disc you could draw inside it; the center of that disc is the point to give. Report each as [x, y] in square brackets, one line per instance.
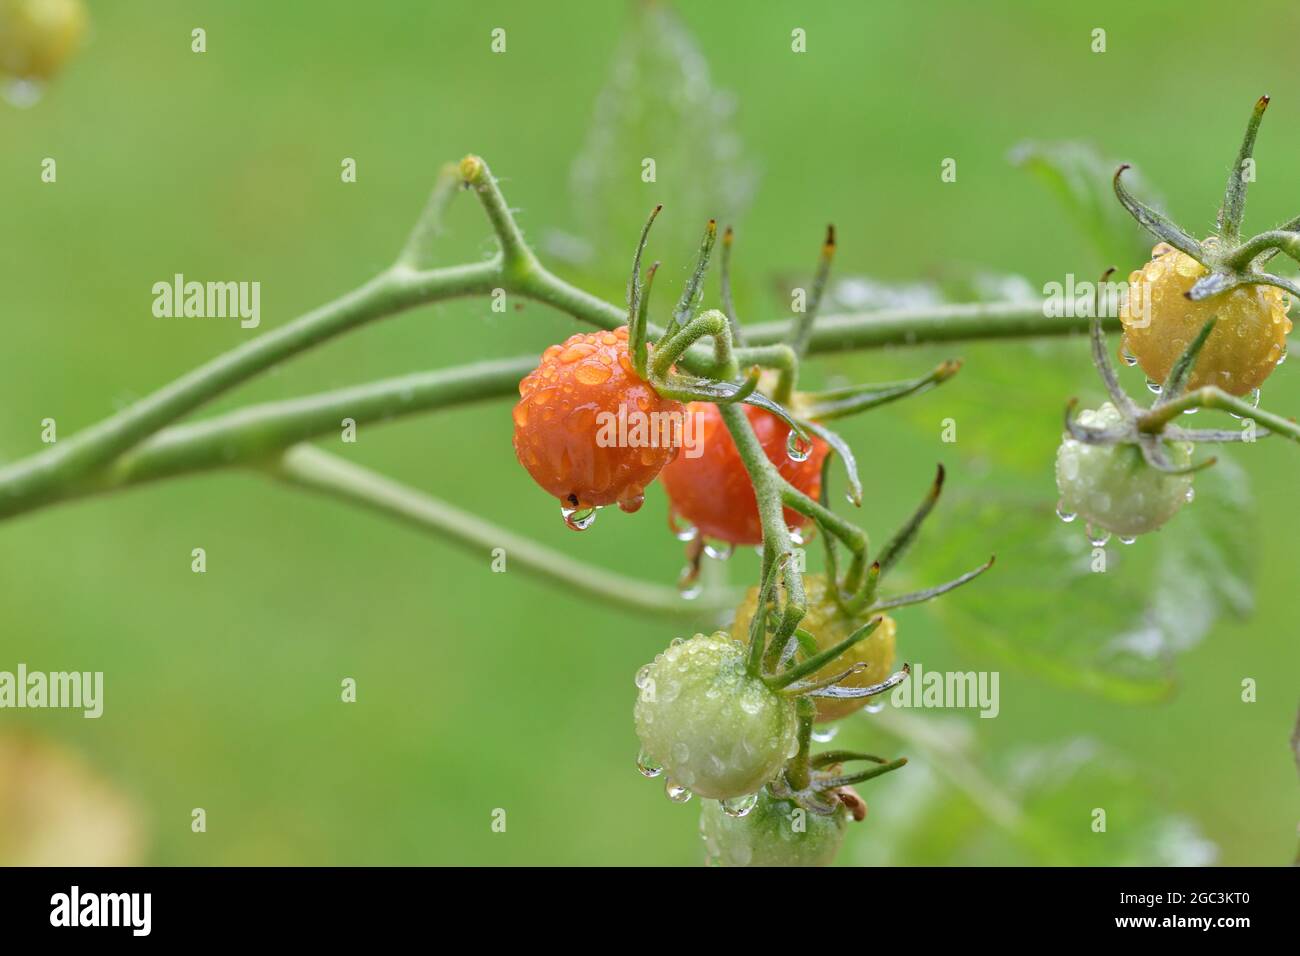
[257, 431]
[854, 538]
[1154, 421]
[308, 467]
[519, 259]
[31, 481]
[768, 483]
[798, 770]
[780, 357]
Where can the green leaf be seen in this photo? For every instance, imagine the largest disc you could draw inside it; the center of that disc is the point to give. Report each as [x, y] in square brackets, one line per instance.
[1032, 807]
[658, 102]
[1080, 177]
[1117, 632]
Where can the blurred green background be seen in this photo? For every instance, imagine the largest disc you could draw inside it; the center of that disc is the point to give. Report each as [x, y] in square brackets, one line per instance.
[479, 690]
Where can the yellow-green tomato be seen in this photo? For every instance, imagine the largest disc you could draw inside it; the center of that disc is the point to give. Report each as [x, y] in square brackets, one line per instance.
[1112, 486]
[773, 832]
[38, 36]
[1159, 321]
[830, 625]
[715, 730]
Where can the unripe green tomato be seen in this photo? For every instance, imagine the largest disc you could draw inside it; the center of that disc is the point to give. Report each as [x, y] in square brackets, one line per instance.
[774, 833]
[38, 36]
[713, 728]
[830, 625]
[1112, 486]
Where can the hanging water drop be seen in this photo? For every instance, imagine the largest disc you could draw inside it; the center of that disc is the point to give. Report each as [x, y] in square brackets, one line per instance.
[631, 504]
[824, 735]
[718, 550]
[1153, 386]
[874, 707]
[1127, 539]
[682, 532]
[579, 519]
[796, 536]
[676, 792]
[1253, 398]
[23, 94]
[1127, 357]
[797, 447]
[1191, 495]
[647, 766]
[691, 589]
[1097, 539]
[1066, 516]
[740, 806]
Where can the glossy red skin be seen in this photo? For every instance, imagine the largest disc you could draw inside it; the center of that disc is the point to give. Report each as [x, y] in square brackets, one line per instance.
[556, 423]
[713, 491]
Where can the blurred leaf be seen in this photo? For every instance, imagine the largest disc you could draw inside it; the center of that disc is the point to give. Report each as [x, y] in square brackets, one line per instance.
[1040, 802]
[1080, 177]
[1114, 633]
[659, 103]
[860, 293]
[999, 379]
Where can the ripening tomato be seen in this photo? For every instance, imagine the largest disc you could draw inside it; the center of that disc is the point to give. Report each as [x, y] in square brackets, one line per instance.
[1159, 322]
[588, 429]
[708, 486]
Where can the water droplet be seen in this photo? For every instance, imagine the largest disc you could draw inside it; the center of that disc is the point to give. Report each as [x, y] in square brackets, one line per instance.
[1127, 539]
[874, 707]
[1153, 386]
[1191, 495]
[796, 536]
[1127, 357]
[1253, 398]
[643, 676]
[631, 504]
[682, 532]
[740, 806]
[646, 765]
[1281, 358]
[1190, 411]
[1097, 539]
[797, 447]
[718, 550]
[579, 519]
[824, 735]
[1066, 516]
[690, 590]
[23, 94]
[676, 792]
